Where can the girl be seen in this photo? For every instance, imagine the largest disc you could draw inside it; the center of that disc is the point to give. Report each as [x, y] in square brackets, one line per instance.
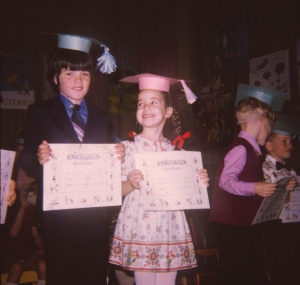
[154, 244]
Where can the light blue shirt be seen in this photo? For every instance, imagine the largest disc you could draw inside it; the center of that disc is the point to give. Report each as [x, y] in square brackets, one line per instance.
[68, 104]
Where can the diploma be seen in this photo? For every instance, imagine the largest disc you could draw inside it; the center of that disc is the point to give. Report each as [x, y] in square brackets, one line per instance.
[82, 176]
[271, 207]
[171, 180]
[7, 162]
[291, 210]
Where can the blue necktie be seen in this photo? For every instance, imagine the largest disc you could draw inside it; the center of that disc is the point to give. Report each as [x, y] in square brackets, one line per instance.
[78, 122]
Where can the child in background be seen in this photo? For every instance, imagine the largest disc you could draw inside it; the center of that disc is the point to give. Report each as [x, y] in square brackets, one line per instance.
[238, 191]
[283, 253]
[26, 251]
[154, 255]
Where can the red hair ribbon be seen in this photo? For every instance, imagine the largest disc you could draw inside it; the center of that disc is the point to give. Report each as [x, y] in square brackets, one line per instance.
[180, 139]
[132, 134]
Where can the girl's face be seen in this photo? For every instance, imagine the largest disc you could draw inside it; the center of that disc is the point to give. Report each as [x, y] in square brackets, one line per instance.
[151, 109]
[73, 84]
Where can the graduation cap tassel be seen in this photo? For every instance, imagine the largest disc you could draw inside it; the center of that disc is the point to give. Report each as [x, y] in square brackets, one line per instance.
[190, 96]
[106, 62]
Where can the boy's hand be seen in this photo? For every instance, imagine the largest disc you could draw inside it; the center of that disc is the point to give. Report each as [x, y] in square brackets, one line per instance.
[120, 150]
[11, 196]
[44, 153]
[204, 176]
[292, 184]
[134, 178]
[265, 189]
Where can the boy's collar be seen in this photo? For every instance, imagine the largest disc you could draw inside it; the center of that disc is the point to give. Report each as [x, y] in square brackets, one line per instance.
[251, 140]
[278, 164]
[271, 158]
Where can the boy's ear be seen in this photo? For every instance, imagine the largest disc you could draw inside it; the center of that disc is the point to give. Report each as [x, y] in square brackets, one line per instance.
[55, 79]
[265, 121]
[268, 146]
[169, 112]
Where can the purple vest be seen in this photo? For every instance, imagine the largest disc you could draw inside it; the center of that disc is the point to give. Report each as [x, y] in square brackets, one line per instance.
[235, 209]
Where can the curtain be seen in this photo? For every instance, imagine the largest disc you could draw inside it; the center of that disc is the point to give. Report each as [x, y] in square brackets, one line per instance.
[167, 37]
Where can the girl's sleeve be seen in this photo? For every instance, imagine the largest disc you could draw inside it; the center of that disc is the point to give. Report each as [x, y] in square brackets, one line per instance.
[234, 163]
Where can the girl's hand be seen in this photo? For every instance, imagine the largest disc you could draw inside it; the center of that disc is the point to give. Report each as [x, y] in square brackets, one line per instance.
[11, 196]
[120, 150]
[44, 153]
[134, 178]
[292, 184]
[204, 176]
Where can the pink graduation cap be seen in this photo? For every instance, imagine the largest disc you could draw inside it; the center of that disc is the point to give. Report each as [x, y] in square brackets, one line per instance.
[106, 62]
[160, 83]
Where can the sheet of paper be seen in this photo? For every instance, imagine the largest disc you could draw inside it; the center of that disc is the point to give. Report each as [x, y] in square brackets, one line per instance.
[291, 210]
[171, 180]
[7, 163]
[271, 207]
[82, 176]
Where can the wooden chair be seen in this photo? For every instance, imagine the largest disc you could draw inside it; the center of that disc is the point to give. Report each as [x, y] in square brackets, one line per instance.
[205, 244]
[27, 277]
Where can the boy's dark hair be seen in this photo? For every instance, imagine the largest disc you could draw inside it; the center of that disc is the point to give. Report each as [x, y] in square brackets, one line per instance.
[271, 137]
[65, 58]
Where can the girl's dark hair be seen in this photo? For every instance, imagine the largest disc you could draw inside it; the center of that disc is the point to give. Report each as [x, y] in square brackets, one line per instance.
[175, 117]
[65, 58]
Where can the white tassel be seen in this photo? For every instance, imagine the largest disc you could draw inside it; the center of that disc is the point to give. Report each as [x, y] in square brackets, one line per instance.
[190, 96]
[106, 62]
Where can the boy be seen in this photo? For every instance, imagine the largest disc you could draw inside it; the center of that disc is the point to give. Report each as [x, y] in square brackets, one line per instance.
[239, 190]
[283, 254]
[75, 240]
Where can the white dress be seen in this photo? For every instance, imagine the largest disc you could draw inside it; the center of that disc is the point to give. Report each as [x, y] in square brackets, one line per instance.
[150, 240]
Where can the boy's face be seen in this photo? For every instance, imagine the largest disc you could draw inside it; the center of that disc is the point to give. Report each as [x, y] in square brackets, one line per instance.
[280, 147]
[73, 84]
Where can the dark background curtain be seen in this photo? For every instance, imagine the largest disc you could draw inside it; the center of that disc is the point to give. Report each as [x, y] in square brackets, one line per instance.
[168, 37]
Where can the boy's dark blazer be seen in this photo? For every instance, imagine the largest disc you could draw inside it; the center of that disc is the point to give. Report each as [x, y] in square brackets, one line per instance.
[48, 120]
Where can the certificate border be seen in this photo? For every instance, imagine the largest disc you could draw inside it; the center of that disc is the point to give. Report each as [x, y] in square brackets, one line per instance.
[196, 200]
[93, 155]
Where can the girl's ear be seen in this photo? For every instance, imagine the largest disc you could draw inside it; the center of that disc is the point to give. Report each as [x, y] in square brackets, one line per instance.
[169, 112]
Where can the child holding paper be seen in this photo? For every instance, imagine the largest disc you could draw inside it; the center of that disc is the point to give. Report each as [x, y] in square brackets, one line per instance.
[238, 191]
[76, 240]
[282, 237]
[153, 244]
